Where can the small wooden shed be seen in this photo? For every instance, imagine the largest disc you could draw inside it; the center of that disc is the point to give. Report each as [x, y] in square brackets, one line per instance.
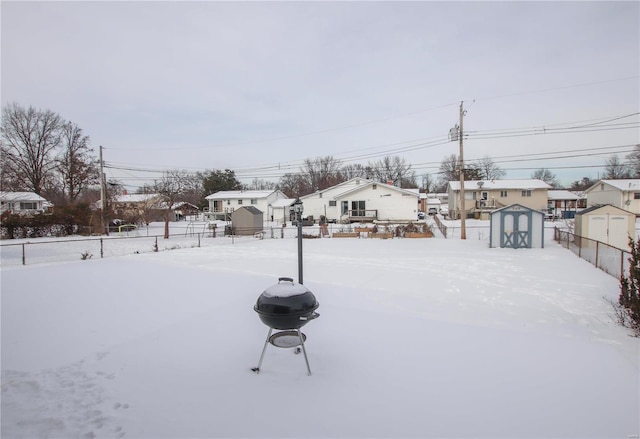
[247, 220]
[517, 226]
[608, 224]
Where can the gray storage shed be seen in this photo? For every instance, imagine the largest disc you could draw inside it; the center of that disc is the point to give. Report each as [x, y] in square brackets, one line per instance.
[247, 220]
[517, 226]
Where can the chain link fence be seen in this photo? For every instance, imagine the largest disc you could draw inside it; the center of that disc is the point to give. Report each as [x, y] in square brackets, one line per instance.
[609, 259]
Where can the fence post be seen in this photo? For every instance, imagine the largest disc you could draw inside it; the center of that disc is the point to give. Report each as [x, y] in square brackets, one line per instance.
[101, 249]
[621, 263]
[198, 240]
[24, 260]
[597, 249]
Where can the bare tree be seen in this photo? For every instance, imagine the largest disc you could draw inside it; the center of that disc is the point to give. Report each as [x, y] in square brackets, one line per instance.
[172, 187]
[633, 162]
[394, 169]
[547, 176]
[294, 185]
[450, 169]
[322, 172]
[30, 137]
[615, 169]
[489, 170]
[77, 169]
[260, 185]
[355, 171]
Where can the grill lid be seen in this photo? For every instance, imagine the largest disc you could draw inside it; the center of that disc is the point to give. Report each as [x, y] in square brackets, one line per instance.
[285, 288]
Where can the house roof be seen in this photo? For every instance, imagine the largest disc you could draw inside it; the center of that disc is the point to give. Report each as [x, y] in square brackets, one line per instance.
[135, 198]
[226, 195]
[20, 196]
[363, 185]
[562, 195]
[627, 184]
[500, 184]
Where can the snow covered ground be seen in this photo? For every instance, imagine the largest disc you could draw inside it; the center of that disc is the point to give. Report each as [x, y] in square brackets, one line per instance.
[416, 338]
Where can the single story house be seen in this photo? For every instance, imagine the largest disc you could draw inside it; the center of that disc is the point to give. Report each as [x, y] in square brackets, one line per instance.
[22, 203]
[362, 200]
[624, 194]
[223, 203]
[484, 196]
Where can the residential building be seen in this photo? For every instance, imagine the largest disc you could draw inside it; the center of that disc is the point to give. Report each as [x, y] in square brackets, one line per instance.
[223, 203]
[362, 200]
[484, 196]
[624, 194]
[22, 203]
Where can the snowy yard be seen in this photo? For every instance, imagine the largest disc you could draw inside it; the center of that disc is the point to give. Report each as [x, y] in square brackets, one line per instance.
[416, 338]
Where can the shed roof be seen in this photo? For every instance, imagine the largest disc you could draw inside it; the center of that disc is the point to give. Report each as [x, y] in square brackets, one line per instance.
[251, 209]
[511, 206]
[600, 206]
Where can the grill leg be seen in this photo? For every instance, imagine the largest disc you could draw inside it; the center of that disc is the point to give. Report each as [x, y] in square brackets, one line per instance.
[264, 349]
[304, 351]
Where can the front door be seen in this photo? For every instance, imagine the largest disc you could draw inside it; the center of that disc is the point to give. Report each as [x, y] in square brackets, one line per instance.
[345, 208]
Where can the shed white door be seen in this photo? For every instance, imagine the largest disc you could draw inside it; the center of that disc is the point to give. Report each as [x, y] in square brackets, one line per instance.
[598, 228]
[610, 229]
[618, 233]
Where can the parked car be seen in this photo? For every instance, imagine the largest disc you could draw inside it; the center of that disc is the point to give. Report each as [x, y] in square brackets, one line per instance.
[444, 211]
[420, 215]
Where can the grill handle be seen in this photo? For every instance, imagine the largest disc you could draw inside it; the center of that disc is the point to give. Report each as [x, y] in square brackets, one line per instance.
[315, 315]
[288, 279]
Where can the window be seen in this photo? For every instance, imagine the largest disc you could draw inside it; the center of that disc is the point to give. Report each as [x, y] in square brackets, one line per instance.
[332, 203]
[228, 202]
[503, 194]
[358, 208]
[636, 195]
[254, 201]
[526, 193]
[28, 205]
[239, 202]
[374, 186]
[320, 195]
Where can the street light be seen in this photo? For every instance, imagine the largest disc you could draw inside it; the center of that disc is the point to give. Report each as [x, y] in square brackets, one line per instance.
[297, 209]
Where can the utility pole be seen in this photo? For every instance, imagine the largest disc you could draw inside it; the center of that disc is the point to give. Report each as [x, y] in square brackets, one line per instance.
[463, 229]
[103, 195]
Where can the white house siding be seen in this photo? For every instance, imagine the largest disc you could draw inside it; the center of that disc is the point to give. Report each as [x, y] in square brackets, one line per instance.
[618, 193]
[499, 193]
[21, 202]
[232, 200]
[391, 203]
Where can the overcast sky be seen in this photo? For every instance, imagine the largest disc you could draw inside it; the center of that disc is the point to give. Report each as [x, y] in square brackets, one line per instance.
[257, 87]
